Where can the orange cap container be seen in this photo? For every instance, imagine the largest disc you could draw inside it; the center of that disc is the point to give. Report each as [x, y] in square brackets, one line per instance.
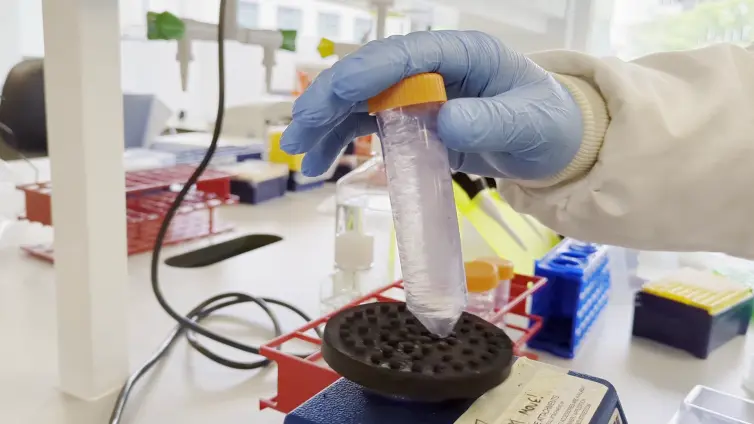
[505, 269]
[481, 276]
[415, 90]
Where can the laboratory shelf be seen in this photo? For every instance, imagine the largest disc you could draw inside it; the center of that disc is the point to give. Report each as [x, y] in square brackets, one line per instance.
[149, 194]
[301, 378]
[577, 292]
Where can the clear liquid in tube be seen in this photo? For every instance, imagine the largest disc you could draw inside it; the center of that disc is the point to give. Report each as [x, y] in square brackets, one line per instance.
[424, 215]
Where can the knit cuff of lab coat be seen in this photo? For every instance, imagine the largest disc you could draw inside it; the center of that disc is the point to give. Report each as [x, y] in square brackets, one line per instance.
[595, 120]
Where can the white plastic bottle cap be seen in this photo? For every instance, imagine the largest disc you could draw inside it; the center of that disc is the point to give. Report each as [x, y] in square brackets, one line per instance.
[354, 250]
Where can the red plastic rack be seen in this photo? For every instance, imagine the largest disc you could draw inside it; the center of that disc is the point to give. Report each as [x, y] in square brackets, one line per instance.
[149, 194]
[299, 379]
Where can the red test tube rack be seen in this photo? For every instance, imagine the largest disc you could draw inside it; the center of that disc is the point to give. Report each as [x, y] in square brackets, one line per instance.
[301, 378]
[149, 195]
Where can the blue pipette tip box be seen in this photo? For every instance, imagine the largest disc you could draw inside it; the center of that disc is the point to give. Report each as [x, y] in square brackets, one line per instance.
[256, 181]
[678, 313]
[576, 293]
[254, 193]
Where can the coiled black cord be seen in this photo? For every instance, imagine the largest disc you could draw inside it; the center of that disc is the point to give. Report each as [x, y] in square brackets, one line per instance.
[190, 325]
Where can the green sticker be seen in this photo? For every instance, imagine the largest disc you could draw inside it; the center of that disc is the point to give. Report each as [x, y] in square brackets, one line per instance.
[289, 40]
[164, 26]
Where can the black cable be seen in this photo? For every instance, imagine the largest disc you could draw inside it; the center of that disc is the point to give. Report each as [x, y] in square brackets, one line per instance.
[190, 325]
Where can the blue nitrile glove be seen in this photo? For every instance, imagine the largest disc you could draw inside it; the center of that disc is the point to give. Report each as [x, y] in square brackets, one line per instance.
[507, 117]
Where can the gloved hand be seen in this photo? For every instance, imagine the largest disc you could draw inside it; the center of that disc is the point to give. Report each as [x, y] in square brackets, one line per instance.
[506, 116]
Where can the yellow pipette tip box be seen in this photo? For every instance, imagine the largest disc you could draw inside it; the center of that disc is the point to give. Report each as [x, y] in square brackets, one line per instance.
[693, 310]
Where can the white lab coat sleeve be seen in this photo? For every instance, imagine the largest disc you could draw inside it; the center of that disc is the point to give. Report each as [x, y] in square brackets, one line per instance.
[667, 160]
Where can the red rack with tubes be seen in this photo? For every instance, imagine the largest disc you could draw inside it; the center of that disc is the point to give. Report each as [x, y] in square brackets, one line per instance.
[301, 378]
[149, 194]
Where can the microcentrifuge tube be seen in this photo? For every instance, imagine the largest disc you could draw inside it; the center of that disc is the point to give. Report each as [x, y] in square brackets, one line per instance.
[421, 196]
[481, 282]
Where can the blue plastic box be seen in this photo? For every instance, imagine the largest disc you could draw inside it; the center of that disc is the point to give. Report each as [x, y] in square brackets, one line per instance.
[345, 402]
[252, 194]
[577, 289]
[298, 182]
[698, 321]
[256, 181]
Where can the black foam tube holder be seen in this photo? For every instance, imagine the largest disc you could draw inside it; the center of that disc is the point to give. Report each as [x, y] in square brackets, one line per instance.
[385, 349]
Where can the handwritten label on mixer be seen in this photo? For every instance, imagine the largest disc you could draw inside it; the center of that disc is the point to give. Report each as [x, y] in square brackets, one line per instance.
[571, 400]
[537, 394]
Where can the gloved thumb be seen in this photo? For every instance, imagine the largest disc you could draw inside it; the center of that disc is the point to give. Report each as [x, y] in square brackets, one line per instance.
[529, 132]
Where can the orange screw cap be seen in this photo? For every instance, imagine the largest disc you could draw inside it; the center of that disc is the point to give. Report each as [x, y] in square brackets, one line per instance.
[505, 268]
[415, 90]
[481, 276]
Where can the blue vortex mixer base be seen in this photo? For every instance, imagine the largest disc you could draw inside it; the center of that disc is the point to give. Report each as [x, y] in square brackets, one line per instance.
[345, 402]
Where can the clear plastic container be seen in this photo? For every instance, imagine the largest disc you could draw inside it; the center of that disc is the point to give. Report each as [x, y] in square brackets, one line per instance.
[339, 289]
[353, 255]
[363, 206]
[505, 273]
[482, 283]
[704, 405]
[421, 194]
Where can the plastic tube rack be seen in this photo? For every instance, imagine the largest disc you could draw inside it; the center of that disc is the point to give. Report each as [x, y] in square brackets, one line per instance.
[578, 286]
[148, 197]
[299, 379]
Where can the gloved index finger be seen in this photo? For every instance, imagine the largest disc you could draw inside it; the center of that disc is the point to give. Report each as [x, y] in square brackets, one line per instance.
[318, 105]
[381, 64]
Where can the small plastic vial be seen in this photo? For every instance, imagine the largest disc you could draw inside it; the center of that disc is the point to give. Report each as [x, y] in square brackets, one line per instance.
[363, 206]
[505, 274]
[353, 256]
[482, 282]
[421, 196]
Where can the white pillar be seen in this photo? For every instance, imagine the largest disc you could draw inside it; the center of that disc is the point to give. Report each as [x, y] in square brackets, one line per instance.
[10, 36]
[85, 136]
[383, 7]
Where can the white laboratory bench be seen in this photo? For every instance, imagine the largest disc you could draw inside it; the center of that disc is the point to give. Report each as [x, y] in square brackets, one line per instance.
[189, 389]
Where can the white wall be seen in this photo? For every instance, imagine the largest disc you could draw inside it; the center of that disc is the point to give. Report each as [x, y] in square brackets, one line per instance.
[150, 66]
[32, 33]
[524, 41]
[10, 35]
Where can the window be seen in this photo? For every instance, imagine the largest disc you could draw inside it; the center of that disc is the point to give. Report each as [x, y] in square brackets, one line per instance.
[289, 18]
[698, 23]
[248, 15]
[362, 29]
[329, 25]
